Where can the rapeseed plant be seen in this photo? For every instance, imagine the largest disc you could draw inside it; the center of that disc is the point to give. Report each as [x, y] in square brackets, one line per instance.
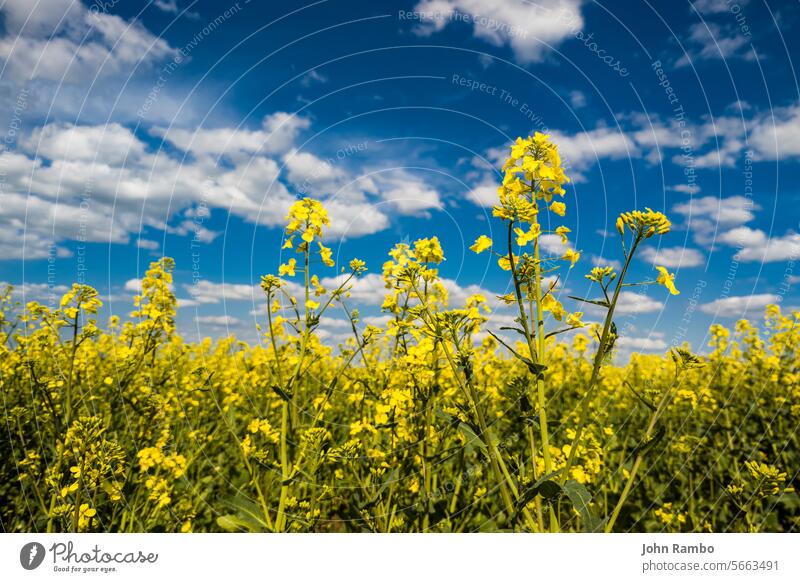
[435, 421]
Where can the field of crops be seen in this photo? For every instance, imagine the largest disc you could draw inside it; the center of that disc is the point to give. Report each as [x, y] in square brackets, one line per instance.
[437, 422]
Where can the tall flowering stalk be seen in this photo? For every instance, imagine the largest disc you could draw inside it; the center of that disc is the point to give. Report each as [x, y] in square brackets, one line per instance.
[634, 228]
[306, 220]
[533, 176]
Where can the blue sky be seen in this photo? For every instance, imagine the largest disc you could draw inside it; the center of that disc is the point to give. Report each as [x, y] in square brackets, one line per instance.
[136, 130]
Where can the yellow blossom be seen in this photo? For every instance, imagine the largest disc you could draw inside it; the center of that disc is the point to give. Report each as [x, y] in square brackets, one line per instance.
[482, 243]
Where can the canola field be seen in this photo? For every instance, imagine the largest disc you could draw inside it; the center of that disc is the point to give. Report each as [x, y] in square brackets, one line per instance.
[435, 422]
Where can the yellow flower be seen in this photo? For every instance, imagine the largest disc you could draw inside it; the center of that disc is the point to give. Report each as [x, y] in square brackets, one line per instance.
[524, 238]
[428, 250]
[666, 279]
[311, 304]
[326, 254]
[558, 208]
[572, 256]
[482, 243]
[288, 268]
[598, 274]
[358, 266]
[562, 232]
[551, 304]
[307, 216]
[574, 319]
[508, 298]
[644, 224]
[505, 263]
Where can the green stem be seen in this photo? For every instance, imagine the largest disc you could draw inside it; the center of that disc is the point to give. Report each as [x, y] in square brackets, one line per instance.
[639, 458]
[598, 360]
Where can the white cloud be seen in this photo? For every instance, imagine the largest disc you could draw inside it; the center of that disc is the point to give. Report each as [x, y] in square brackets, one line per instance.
[42, 292]
[706, 216]
[62, 39]
[583, 149]
[312, 77]
[484, 195]
[551, 243]
[640, 344]
[740, 306]
[685, 188]
[352, 220]
[528, 28]
[149, 245]
[716, 6]
[276, 136]
[110, 144]
[754, 245]
[777, 135]
[409, 196]
[603, 262]
[305, 170]
[366, 290]
[103, 184]
[206, 292]
[577, 99]
[631, 302]
[726, 211]
[708, 41]
[133, 285]
[170, 6]
[673, 257]
[216, 320]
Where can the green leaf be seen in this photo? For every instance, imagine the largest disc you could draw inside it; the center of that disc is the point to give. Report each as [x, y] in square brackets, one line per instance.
[640, 396]
[280, 392]
[580, 499]
[234, 523]
[646, 446]
[548, 488]
[516, 329]
[472, 438]
[249, 509]
[536, 369]
[601, 303]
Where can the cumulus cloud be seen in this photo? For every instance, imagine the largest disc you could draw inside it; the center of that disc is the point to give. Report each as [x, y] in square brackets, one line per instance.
[207, 292]
[484, 195]
[721, 141]
[603, 262]
[740, 306]
[103, 183]
[673, 257]
[577, 99]
[528, 28]
[777, 136]
[715, 6]
[42, 292]
[707, 216]
[631, 302]
[585, 148]
[755, 246]
[708, 40]
[641, 344]
[216, 320]
[276, 136]
[410, 196]
[62, 39]
[551, 243]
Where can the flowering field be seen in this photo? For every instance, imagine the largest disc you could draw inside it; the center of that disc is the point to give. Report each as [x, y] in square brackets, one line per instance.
[438, 422]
